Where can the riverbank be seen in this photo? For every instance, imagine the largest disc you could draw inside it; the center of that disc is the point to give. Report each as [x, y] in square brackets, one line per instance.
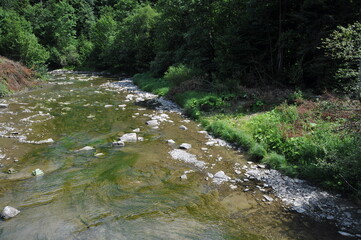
[15, 77]
[271, 137]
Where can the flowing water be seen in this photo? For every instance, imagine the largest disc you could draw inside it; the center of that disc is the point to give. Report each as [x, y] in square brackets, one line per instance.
[133, 192]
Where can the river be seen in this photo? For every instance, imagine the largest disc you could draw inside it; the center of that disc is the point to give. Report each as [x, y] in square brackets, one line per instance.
[130, 192]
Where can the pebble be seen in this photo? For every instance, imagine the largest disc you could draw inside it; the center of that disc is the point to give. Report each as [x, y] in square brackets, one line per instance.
[170, 141]
[86, 148]
[183, 177]
[37, 172]
[11, 171]
[268, 198]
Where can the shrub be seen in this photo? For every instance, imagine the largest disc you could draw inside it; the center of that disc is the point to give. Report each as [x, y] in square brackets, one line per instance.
[275, 160]
[257, 152]
[155, 85]
[178, 74]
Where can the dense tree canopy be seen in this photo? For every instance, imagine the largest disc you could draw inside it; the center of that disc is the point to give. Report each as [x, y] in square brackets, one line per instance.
[293, 43]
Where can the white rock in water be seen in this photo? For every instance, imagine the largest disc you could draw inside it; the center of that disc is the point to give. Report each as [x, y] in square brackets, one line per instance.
[183, 177]
[153, 123]
[220, 177]
[4, 105]
[140, 139]
[170, 141]
[136, 130]
[108, 106]
[185, 146]
[129, 137]
[87, 148]
[38, 172]
[182, 127]
[268, 198]
[9, 212]
[99, 154]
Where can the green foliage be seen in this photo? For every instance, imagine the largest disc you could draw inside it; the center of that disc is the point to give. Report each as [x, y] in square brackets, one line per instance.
[178, 74]
[275, 160]
[18, 42]
[195, 102]
[257, 152]
[4, 90]
[154, 85]
[224, 129]
[344, 44]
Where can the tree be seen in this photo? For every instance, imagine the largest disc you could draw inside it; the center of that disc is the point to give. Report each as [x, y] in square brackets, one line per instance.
[344, 44]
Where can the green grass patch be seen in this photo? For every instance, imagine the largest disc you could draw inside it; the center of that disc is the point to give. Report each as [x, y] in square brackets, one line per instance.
[157, 86]
[4, 90]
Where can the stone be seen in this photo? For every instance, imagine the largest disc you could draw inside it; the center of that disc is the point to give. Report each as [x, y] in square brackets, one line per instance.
[86, 148]
[11, 170]
[346, 234]
[233, 187]
[299, 209]
[210, 143]
[129, 137]
[182, 127]
[140, 139]
[118, 144]
[268, 198]
[182, 155]
[220, 177]
[185, 146]
[99, 154]
[136, 130]
[246, 190]
[237, 172]
[9, 212]
[183, 177]
[204, 149]
[37, 172]
[4, 105]
[170, 141]
[152, 123]
[108, 106]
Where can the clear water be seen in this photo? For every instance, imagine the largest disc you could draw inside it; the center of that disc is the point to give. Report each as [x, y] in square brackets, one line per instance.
[133, 192]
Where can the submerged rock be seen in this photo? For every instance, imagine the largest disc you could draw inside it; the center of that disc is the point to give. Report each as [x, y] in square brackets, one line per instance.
[182, 155]
[118, 144]
[170, 141]
[11, 170]
[37, 172]
[87, 148]
[9, 212]
[4, 105]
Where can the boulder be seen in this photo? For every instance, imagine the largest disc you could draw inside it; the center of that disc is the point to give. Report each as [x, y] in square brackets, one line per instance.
[9, 212]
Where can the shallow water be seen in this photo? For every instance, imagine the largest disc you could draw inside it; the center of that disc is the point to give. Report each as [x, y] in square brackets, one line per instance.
[134, 192]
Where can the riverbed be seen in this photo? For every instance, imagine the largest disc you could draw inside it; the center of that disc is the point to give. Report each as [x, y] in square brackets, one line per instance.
[153, 187]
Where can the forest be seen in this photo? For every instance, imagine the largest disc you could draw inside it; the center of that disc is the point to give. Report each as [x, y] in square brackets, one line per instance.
[295, 64]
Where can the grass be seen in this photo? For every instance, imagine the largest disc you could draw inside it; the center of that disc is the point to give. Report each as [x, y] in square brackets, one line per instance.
[315, 140]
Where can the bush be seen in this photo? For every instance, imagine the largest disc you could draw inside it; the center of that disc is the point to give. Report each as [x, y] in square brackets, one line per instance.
[155, 85]
[4, 90]
[178, 74]
[275, 160]
[257, 152]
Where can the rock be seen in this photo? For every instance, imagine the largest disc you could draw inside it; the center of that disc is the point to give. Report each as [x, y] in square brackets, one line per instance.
[246, 190]
[136, 130]
[108, 106]
[86, 148]
[268, 198]
[220, 177]
[182, 155]
[261, 166]
[233, 187]
[299, 209]
[210, 143]
[152, 123]
[237, 172]
[140, 139]
[37, 172]
[118, 144]
[346, 234]
[185, 146]
[99, 154]
[182, 127]
[170, 141]
[183, 177]
[9, 212]
[204, 149]
[4, 105]
[129, 137]
[11, 170]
